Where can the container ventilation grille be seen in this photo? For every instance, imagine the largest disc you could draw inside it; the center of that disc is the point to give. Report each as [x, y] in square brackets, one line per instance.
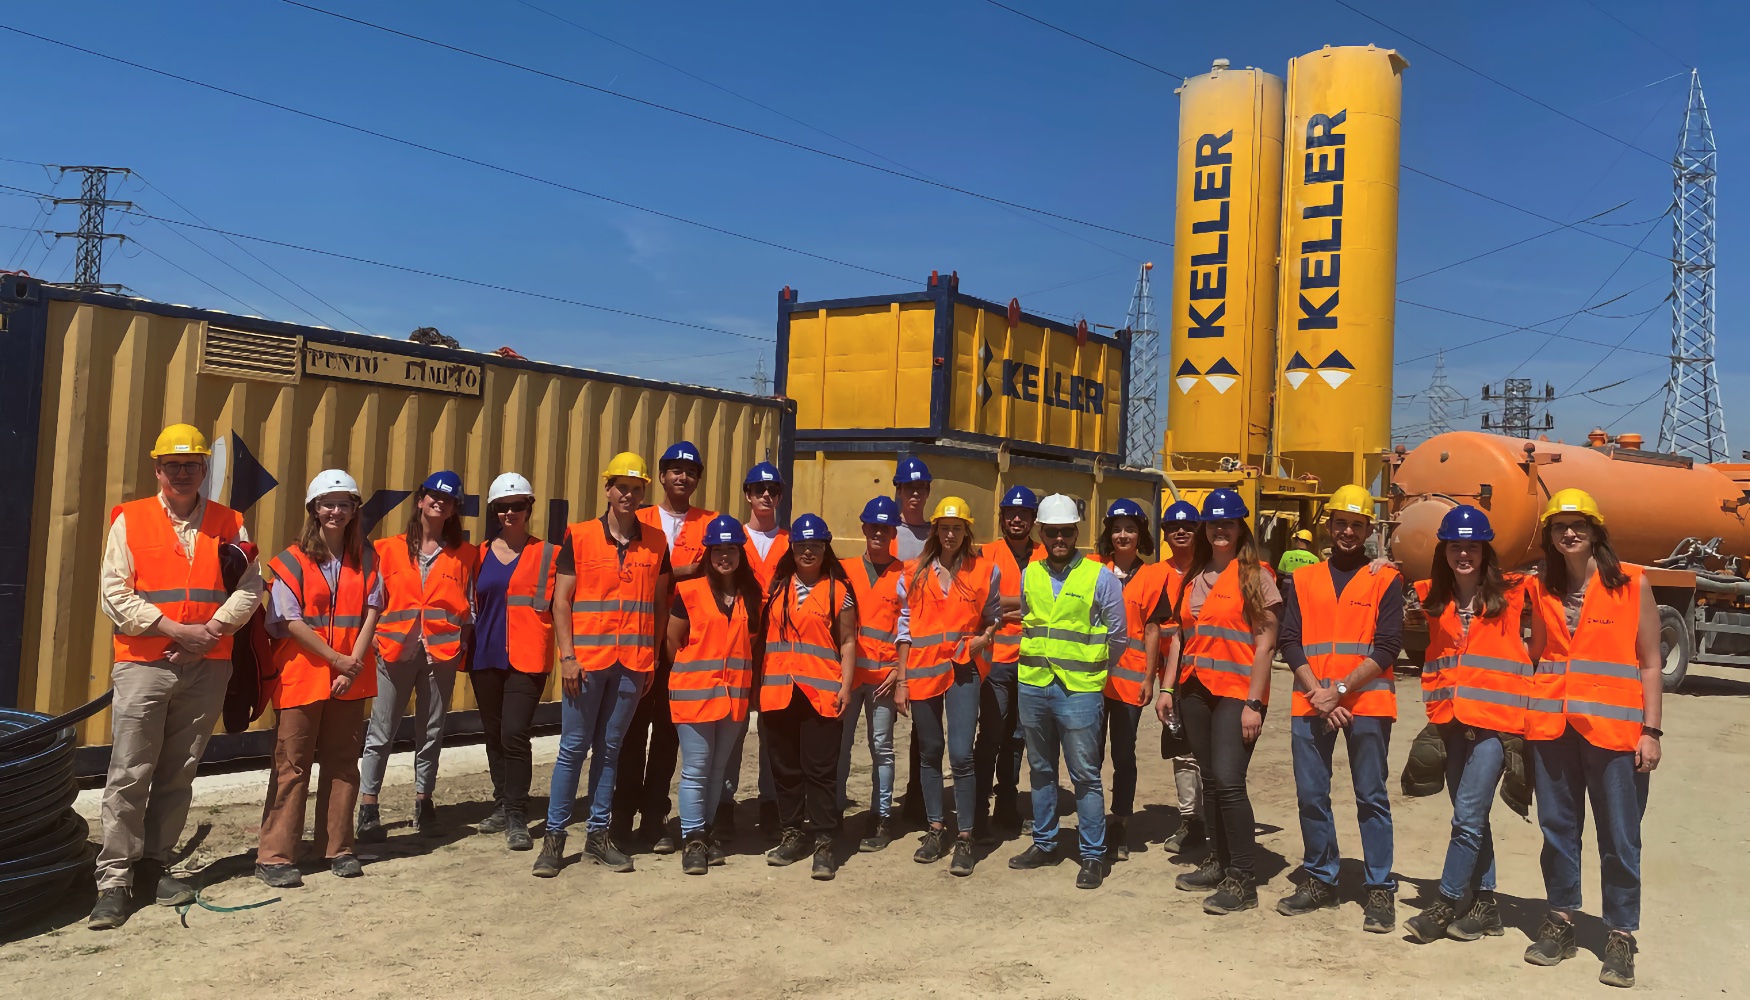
[266, 357]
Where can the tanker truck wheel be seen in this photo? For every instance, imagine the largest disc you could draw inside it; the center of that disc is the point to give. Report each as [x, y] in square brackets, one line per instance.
[1674, 646]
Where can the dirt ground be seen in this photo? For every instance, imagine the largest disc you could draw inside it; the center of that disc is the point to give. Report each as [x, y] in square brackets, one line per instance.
[459, 916]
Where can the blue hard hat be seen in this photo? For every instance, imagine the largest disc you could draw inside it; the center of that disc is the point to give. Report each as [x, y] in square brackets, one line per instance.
[681, 451]
[911, 470]
[1020, 496]
[881, 510]
[809, 528]
[724, 530]
[1126, 508]
[1223, 505]
[1181, 510]
[765, 472]
[1465, 523]
[445, 483]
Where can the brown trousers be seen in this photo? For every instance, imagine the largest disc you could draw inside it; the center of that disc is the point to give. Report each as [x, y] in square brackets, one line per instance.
[326, 733]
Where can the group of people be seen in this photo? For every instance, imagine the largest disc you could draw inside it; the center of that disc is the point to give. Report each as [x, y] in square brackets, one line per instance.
[671, 625]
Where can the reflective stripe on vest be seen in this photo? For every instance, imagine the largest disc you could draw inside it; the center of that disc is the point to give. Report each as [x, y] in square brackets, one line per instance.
[613, 609]
[803, 657]
[186, 588]
[1481, 676]
[1219, 646]
[714, 670]
[1337, 635]
[877, 593]
[1006, 647]
[302, 676]
[1593, 672]
[1142, 591]
[436, 605]
[942, 622]
[1059, 640]
[528, 606]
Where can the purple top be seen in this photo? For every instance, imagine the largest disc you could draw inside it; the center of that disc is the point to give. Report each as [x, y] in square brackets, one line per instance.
[491, 585]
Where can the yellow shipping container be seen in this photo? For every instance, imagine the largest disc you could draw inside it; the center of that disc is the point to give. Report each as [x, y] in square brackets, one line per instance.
[937, 365]
[94, 377]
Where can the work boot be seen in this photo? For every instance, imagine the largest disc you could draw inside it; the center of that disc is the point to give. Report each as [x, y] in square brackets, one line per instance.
[1484, 918]
[346, 866]
[961, 864]
[1033, 857]
[153, 880]
[792, 847]
[717, 854]
[552, 856]
[1092, 874]
[931, 849]
[1238, 891]
[723, 825]
[696, 856]
[370, 827]
[982, 832]
[769, 823]
[1207, 876]
[1431, 924]
[881, 833]
[280, 876]
[425, 821]
[1310, 897]
[655, 833]
[825, 865]
[1118, 836]
[1555, 942]
[1188, 837]
[495, 823]
[1619, 960]
[516, 831]
[1380, 914]
[598, 847]
[111, 911]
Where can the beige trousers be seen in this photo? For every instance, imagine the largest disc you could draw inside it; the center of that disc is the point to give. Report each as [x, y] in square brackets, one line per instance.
[162, 716]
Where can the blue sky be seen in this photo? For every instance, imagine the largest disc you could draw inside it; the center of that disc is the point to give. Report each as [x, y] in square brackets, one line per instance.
[960, 91]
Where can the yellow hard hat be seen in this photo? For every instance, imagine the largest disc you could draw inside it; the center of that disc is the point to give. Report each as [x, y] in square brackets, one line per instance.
[181, 439]
[1571, 501]
[1350, 499]
[953, 507]
[1304, 535]
[627, 463]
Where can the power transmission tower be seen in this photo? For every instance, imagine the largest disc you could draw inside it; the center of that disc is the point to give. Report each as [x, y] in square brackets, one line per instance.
[1442, 397]
[1144, 441]
[762, 383]
[1693, 424]
[1515, 398]
[93, 201]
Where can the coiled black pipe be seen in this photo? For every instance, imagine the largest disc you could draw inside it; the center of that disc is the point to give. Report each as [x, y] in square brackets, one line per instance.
[43, 842]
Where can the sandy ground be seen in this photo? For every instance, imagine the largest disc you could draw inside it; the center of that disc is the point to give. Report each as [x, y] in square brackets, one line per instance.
[459, 916]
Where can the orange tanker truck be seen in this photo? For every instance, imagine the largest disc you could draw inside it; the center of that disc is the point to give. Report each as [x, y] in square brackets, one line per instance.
[1687, 523]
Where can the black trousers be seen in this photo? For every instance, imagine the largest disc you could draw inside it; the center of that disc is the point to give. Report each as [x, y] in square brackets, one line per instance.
[804, 750]
[507, 700]
[642, 782]
[996, 754]
[1120, 724]
[1212, 726]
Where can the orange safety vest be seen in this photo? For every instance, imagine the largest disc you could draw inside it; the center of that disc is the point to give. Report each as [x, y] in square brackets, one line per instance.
[304, 677]
[1336, 633]
[713, 674]
[877, 593]
[1219, 645]
[186, 591]
[1480, 677]
[1125, 678]
[689, 542]
[613, 610]
[528, 605]
[1590, 678]
[764, 568]
[805, 656]
[1006, 648]
[942, 622]
[438, 604]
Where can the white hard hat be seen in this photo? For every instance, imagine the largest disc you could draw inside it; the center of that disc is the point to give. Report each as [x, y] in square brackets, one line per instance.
[509, 485]
[1059, 509]
[331, 481]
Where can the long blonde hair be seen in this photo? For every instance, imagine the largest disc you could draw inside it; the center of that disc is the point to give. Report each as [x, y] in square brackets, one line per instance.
[932, 553]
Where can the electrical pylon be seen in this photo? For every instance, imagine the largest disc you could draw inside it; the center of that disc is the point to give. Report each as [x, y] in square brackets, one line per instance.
[1694, 424]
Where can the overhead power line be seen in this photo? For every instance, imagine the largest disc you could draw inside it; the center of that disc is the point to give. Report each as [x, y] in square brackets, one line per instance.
[1626, 27]
[1512, 328]
[706, 120]
[1085, 40]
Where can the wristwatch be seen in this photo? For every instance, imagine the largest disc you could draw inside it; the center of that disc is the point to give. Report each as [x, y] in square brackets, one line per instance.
[1342, 688]
[1654, 731]
[1256, 706]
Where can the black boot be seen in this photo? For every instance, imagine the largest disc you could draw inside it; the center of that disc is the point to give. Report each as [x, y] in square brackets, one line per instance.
[1619, 960]
[598, 847]
[153, 883]
[1238, 891]
[1431, 924]
[1118, 838]
[825, 865]
[696, 856]
[552, 856]
[792, 847]
[494, 823]
[425, 821]
[1207, 876]
[1310, 897]
[881, 833]
[1484, 918]
[961, 864]
[1091, 875]
[1188, 837]
[1033, 857]
[370, 827]
[1555, 942]
[1380, 914]
[931, 850]
[516, 832]
[112, 909]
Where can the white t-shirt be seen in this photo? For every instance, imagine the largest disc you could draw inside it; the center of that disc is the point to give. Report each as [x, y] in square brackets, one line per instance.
[671, 524]
[762, 540]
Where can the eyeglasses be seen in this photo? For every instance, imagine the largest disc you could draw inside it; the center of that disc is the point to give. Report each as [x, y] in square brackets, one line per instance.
[183, 469]
[766, 489]
[515, 507]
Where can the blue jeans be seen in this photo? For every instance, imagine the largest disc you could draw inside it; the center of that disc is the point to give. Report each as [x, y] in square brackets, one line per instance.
[732, 767]
[704, 754]
[878, 714]
[1567, 771]
[1367, 739]
[1055, 719]
[949, 719]
[592, 722]
[1474, 761]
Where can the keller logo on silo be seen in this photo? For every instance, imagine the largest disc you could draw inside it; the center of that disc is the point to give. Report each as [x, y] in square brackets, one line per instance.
[1048, 387]
[1321, 260]
[1206, 297]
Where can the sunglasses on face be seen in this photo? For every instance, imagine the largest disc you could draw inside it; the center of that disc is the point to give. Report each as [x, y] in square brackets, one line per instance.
[515, 507]
[765, 489]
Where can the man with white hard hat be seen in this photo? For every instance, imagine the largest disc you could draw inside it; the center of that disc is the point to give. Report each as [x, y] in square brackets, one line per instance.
[1072, 627]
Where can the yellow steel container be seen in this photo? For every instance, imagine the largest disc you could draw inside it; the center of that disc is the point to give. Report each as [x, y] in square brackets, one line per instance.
[281, 403]
[1339, 262]
[1224, 273]
[941, 365]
